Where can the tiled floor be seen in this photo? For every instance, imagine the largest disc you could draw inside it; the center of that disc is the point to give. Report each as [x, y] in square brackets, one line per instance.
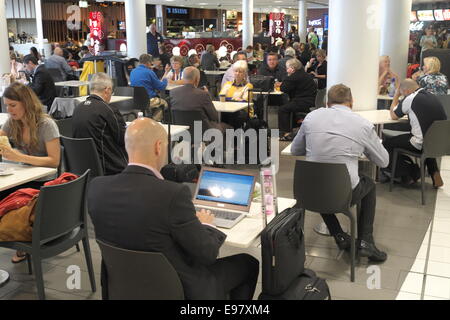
[417, 267]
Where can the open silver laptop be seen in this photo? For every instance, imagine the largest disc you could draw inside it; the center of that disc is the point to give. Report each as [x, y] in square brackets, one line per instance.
[227, 193]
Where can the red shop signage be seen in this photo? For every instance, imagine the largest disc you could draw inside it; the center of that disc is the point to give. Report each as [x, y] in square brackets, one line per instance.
[95, 26]
[277, 30]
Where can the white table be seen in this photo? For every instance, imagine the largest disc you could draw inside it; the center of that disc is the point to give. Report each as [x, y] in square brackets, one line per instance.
[72, 84]
[230, 106]
[173, 86]
[214, 72]
[23, 174]
[114, 99]
[3, 118]
[385, 97]
[174, 129]
[246, 232]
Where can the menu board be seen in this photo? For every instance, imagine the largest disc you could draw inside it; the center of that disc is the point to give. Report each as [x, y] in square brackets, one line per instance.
[425, 15]
[446, 14]
[413, 16]
[439, 15]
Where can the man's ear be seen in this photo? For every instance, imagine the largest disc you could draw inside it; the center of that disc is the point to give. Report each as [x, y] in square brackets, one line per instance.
[158, 148]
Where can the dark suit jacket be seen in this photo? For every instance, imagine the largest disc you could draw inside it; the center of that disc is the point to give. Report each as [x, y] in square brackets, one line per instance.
[137, 211]
[301, 88]
[43, 85]
[189, 98]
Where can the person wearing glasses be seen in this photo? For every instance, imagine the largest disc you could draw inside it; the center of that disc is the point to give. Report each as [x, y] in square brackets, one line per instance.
[97, 119]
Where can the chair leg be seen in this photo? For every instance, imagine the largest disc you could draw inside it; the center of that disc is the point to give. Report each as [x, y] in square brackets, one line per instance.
[30, 267]
[352, 250]
[37, 265]
[422, 179]
[87, 253]
[77, 246]
[394, 166]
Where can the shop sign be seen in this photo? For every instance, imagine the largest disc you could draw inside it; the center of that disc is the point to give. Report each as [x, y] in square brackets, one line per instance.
[277, 29]
[315, 23]
[95, 26]
[446, 14]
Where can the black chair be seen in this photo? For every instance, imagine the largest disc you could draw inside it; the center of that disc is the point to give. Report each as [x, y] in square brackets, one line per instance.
[81, 155]
[326, 188]
[58, 77]
[65, 127]
[141, 100]
[138, 275]
[126, 108]
[188, 118]
[435, 145]
[60, 223]
[445, 100]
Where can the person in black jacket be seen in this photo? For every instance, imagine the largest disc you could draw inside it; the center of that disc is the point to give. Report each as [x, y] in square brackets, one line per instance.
[139, 210]
[209, 59]
[302, 91]
[40, 81]
[98, 120]
[194, 61]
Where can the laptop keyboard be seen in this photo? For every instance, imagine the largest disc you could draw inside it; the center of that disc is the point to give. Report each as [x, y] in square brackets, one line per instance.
[222, 214]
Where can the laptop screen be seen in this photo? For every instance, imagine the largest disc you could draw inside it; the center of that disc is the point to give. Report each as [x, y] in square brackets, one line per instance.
[225, 187]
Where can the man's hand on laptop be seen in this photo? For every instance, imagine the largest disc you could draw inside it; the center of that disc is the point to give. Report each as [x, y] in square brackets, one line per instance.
[205, 216]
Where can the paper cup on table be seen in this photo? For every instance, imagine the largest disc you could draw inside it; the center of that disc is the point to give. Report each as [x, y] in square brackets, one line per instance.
[222, 98]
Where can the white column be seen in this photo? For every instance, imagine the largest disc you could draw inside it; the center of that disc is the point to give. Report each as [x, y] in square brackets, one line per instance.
[135, 24]
[247, 23]
[40, 30]
[302, 23]
[395, 33]
[4, 43]
[355, 63]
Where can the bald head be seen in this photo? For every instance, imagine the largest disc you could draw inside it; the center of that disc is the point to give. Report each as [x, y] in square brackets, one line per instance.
[408, 86]
[146, 143]
[191, 75]
[58, 51]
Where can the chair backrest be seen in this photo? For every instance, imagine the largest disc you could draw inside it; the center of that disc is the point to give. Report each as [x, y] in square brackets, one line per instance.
[445, 100]
[65, 127]
[81, 155]
[436, 142]
[56, 74]
[124, 91]
[322, 187]
[127, 105]
[187, 118]
[141, 98]
[138, 275]
[60, 209]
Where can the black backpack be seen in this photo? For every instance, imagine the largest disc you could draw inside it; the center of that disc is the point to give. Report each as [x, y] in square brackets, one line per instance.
[262, 83]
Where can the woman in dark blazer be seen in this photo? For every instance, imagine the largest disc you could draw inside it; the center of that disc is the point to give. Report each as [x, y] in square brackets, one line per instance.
[302, 91]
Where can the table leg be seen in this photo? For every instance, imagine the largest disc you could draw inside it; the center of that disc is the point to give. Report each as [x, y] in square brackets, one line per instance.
[219, 114]
[266, 108]
[4, 278]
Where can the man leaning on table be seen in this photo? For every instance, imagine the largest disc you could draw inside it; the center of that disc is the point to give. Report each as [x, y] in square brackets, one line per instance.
[422, 108]
[337, 135]
[139, 210]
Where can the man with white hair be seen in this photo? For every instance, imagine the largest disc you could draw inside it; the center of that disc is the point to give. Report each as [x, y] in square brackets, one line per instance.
[154, 39]
[422, 108]
[57, 61]
[102, 122]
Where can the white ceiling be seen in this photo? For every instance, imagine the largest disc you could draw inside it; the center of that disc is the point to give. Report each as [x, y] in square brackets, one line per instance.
[260, 5]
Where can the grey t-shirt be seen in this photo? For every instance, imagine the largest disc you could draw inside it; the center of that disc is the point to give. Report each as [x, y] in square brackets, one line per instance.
[47, 131]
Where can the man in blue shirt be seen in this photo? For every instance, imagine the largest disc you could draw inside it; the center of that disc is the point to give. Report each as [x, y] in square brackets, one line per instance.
[153, 38]
[144, 76]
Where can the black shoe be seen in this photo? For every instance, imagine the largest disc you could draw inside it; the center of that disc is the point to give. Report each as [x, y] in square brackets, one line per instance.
[367, 249]
[343, 241]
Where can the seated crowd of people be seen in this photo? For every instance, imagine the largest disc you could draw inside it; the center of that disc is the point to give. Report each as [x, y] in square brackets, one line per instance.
[125, 214]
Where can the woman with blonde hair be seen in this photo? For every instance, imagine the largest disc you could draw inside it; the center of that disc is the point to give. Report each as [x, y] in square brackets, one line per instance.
[386, 75]
[430, 78]
[238, 90]
[176, 73]
[34, 136]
